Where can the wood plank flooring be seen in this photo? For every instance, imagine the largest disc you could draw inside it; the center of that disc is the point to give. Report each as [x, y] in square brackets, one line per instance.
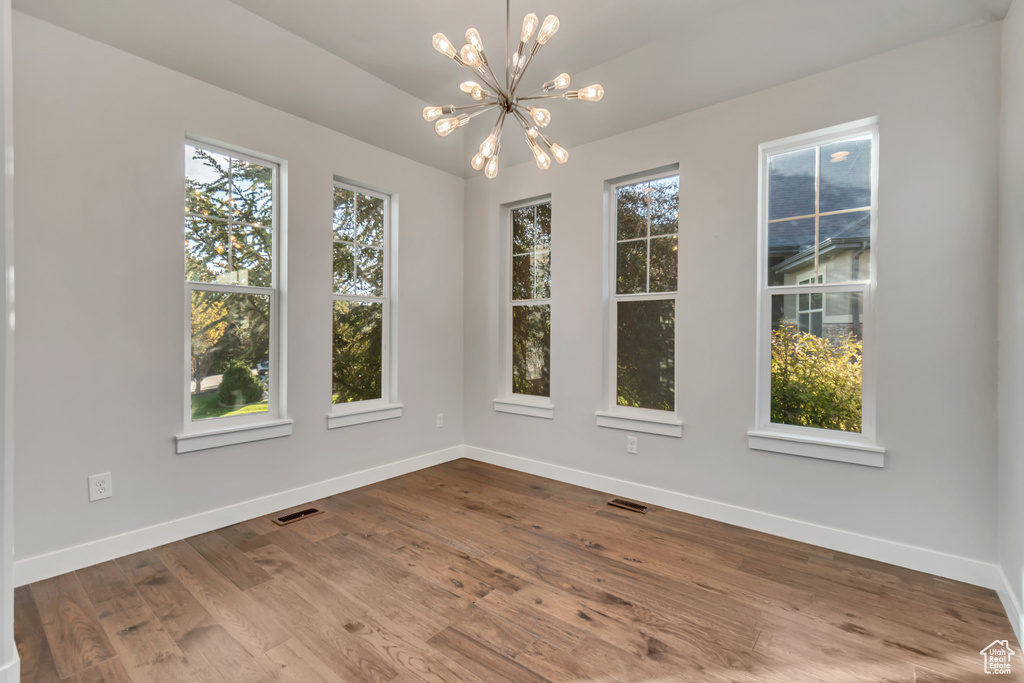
[470, 572]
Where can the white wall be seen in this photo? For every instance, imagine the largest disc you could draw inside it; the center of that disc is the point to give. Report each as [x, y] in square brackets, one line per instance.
[1011, 315]
[938, 109]
[9, 664]
[99, 138]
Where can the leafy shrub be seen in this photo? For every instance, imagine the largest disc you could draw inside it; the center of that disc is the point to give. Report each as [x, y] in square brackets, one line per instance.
[238, 386]
[816, 382]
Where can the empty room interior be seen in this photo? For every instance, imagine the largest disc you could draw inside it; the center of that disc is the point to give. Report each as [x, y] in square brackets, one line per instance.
[658, 341]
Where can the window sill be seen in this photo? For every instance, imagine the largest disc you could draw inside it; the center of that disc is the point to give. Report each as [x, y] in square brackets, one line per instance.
[522, 406]
[636, 420]
[838, 450]
[215, 438]
[363, 415]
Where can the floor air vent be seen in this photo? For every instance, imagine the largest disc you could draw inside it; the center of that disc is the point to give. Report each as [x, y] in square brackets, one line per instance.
[292, 517]
[629, 505]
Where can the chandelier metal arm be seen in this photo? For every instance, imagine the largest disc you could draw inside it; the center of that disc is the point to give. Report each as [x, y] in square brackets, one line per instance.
[490, 82]
[518, 76]
[541, 97]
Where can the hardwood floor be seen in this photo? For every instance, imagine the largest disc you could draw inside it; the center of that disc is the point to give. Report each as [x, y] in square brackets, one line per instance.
[470, 572]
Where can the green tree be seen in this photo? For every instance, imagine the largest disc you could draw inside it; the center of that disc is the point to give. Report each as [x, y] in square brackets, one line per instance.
[358, 339]
[816, 382]
[238, 386]
[208, 326]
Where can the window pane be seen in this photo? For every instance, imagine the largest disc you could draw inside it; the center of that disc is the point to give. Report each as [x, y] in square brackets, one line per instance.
[631, 211]
[358, 217]
[370, 271]
[522, 230]
[790, 248]
[531, 350]
[646, 354]
[664, 264]
[522, 277]
[207, 182]
[344, 214]
[251, 250]
[358, 348]
[358, 271]
[230, 337]
[846, 255]
[252, 192]
[207, 250]
[816, 362]
[542, 275]
[791, 184]
[845, 175]
[631, 267]
[345, 281]
[543, 226]
[664, 200]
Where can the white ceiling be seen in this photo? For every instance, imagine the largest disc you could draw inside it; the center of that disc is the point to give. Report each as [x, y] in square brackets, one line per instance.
[366, 69]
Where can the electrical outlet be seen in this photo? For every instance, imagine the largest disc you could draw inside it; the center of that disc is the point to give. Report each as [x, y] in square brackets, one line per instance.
[440, 420]
[100, 486]
[631, 444]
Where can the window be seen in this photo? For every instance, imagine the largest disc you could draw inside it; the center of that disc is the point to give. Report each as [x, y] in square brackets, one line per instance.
[816, 278]
[360, 368]
[232, 296]
[528, 332]
[644, 265]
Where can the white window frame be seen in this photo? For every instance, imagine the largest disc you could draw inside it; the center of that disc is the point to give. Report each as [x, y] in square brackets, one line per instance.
[614, 416]
[386, 407]
[508, 401]
[857, 448]
[226, 431]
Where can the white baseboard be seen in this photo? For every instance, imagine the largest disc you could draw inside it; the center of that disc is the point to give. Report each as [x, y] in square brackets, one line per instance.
[1009, 599]
[44, 566]
[11, 670]
[921, 559]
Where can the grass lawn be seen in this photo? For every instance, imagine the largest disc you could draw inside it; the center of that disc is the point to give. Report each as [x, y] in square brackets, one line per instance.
[208, 405]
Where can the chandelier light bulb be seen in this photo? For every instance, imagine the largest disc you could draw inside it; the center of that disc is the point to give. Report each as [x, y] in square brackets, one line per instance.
[547, 29]
[473, 38]
[478, 161]
[432, 113]
[488, 146]
[542, 159]
[444, 127]
[443, 45]
[559, 153]
[542, 117]
[467, 86]
[532, 133]
[491, 169]
[592, 93]
[529, 26]
[471, 57]
[562, 81]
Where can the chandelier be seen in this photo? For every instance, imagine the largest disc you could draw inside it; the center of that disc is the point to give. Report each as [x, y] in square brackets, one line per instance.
[505, 99]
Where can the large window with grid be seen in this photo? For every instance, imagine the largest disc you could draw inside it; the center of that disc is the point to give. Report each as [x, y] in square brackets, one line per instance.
[530, 302]
[360, 367]
[818, 223]
[645, 251]
[232, 287]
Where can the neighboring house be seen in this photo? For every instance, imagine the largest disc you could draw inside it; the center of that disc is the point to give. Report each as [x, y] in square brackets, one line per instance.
[842, 257]
[819, 214]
